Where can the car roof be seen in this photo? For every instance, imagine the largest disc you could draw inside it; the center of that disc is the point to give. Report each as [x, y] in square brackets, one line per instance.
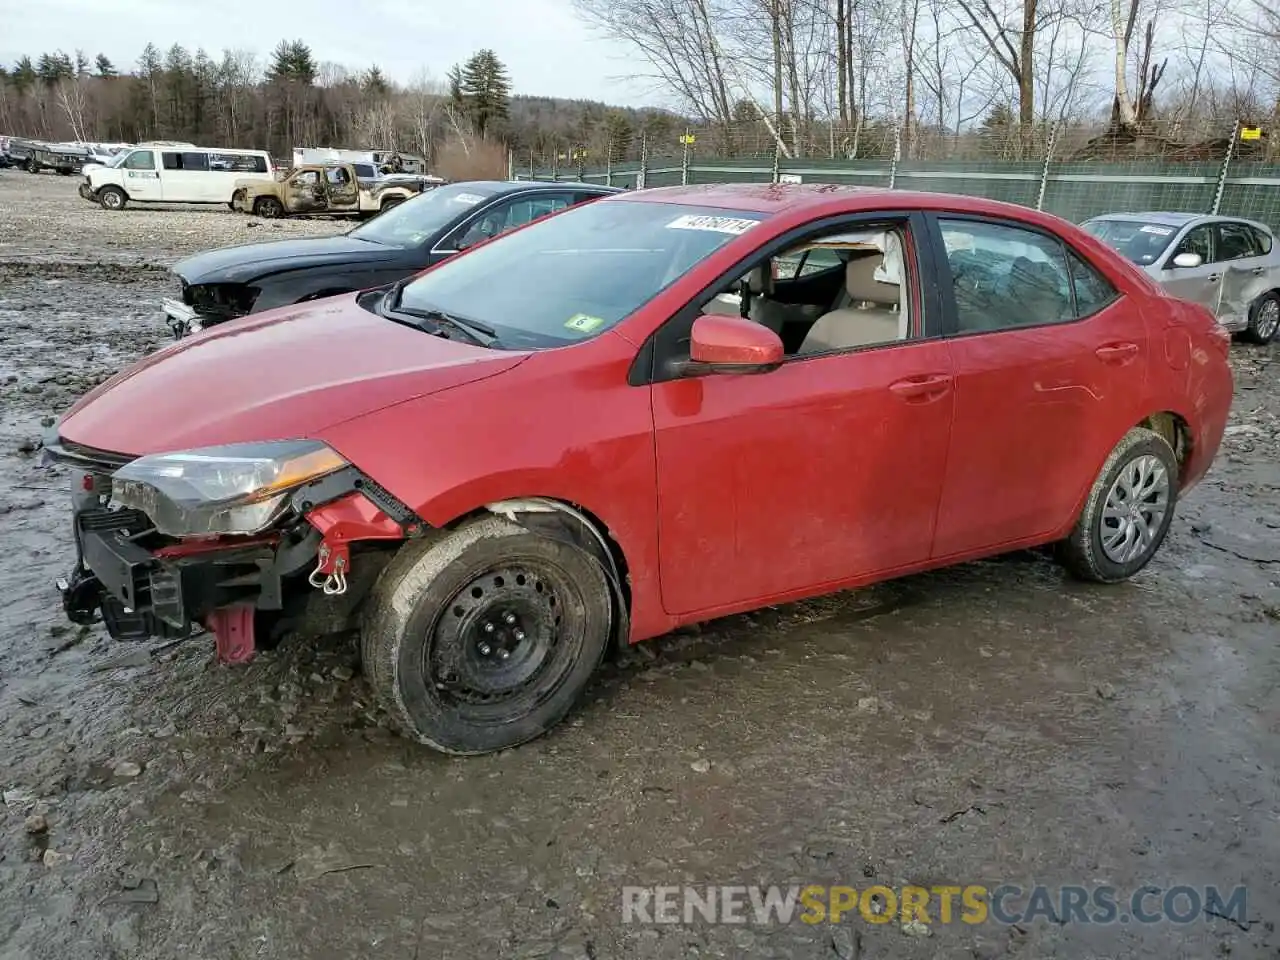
[1173, 218]
[774, 199]
[496, 187]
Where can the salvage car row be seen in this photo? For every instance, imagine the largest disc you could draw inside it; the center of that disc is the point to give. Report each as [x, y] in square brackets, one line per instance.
[598, 415]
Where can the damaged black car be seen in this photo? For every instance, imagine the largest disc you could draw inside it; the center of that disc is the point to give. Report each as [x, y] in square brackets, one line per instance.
[221, 285]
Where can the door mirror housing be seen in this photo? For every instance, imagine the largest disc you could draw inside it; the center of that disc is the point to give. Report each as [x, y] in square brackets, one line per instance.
[1187, 260]
[720, 344]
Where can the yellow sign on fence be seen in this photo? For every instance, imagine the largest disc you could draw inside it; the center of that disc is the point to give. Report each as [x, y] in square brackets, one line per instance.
[1250, 133]
[688, 138]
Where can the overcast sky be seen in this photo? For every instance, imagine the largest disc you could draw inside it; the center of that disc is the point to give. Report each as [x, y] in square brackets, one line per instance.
[547, 50]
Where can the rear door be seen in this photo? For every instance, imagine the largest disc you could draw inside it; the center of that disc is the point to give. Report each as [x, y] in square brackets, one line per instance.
[1248, 272]
[1202, 284]
[1045, 353]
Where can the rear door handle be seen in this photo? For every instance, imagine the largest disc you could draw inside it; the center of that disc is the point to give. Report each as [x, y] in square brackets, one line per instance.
[1214, 277]
[1117, 352]
[1259, 271]
[921, 388]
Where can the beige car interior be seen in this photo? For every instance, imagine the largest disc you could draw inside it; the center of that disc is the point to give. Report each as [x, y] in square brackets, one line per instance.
[868, 308]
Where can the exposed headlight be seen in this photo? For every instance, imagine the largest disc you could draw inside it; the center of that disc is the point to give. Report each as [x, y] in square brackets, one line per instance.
[236, 489]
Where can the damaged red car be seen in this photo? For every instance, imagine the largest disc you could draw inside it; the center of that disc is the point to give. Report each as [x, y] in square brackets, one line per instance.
[658, 408]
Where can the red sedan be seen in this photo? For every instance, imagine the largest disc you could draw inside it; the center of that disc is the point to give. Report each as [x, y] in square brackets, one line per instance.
[653, 409]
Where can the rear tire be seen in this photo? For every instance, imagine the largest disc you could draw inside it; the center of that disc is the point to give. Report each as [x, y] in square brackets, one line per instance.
[390, 202]
[269, 208]
[482, 638]
[1128, 512]
[112, 198]
[1264, 320]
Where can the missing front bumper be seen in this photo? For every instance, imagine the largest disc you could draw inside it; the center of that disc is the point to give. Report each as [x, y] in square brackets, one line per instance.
[182, 319]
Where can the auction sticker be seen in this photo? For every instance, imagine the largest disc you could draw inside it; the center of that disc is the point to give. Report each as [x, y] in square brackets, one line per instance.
[731, 225]
[584, 322]
[470, 199]
[1158, 231]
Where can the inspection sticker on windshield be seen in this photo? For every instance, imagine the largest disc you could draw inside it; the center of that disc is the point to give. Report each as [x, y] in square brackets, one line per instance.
[733, 225]
[1158, 231]
[470, 199]
[584, 322]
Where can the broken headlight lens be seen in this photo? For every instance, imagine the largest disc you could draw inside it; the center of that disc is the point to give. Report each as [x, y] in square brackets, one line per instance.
[236, 489]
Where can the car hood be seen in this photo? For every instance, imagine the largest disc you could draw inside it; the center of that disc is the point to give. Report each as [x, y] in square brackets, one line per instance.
[282, 374]
[251, 261]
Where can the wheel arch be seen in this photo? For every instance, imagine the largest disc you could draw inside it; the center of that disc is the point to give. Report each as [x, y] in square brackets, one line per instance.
[574, 524]
[1175, 430]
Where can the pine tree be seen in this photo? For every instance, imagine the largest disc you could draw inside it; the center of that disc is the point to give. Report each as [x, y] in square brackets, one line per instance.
[24, 75]
[486, 90]
[292, 62]
[104, 66]
[455, 87]
[620, 134]
[374, 82]
[82, 64]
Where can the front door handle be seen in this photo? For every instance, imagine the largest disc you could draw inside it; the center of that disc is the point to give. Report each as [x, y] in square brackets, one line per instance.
[921, 388]
[1214, 277]
[1117, 352]
[1259, 271]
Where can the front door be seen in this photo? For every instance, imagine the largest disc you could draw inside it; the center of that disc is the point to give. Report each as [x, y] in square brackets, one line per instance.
[1042, 345]
[822, 471]
[142, 176]
[1202, 284]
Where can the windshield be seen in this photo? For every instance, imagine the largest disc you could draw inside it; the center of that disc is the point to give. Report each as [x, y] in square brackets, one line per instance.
[119, 158]
[1143, 243]
[577, 273]
[415, 221]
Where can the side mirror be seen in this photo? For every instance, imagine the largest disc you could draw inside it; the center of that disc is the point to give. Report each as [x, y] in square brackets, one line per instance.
[1188, 260]
[720, 344]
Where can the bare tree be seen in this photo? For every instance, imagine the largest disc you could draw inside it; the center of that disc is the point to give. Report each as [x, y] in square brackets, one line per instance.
[1128, 110]
[1008, 28]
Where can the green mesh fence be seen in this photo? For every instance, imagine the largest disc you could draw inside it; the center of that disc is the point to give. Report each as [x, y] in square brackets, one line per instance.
[1075, 191]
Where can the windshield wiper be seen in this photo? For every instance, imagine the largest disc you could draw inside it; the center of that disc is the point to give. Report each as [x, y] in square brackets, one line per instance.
[474, 330]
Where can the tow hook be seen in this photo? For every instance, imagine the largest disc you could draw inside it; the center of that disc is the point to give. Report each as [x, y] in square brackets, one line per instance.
[330, 574]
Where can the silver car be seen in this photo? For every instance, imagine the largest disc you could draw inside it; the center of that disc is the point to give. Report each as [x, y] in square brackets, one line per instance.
[1229, 264]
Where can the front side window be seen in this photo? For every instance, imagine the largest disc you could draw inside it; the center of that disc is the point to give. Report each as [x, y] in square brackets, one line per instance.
[575, 275]
[307, 178]
[1140, 242]
[507, 216]
[1198, 240]
[140, 160]
[421, 218]
[1005, 277]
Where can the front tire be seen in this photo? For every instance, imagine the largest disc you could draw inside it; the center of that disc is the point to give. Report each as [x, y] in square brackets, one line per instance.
[483, 638]
[1264, 320]
[112, 198]
[1128, 512]
[390, 202]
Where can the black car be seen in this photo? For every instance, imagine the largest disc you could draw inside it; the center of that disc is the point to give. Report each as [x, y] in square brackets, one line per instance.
[221, 285]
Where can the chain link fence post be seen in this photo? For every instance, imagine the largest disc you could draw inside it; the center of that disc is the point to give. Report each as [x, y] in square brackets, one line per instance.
[608, 166]
[684, 158]
[511, 164]
[1226, 166]
[643, 173]
[897, 155]
[1048, 158]
[533, 170]
[582, 163]
[777, 161]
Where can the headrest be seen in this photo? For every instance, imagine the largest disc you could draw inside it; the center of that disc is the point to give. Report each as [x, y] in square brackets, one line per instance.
[760, 280]
[861, 283]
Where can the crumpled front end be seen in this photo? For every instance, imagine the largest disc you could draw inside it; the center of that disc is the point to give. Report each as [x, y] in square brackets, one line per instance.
[195, 307]
[150, 573]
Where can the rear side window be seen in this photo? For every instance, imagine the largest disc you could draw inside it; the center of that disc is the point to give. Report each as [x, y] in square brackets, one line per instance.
[1236, 241]
[1262, 240]
[238, 163]
[1093, 291]
[185, 161]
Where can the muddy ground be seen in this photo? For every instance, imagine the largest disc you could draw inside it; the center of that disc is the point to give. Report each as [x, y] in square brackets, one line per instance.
[988, 724]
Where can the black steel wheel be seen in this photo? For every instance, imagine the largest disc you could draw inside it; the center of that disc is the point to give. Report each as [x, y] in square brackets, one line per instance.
[484, 637]
[268, 207]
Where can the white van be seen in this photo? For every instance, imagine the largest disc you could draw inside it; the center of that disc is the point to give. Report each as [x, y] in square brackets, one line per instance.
[173, 173]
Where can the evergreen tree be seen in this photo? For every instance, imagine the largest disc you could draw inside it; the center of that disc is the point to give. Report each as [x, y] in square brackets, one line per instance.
[82, 64]
[486, 90]
[455, 87]
[620, 134]
[292, 62]
[374, 82]
[104, 66]
[24, 75]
